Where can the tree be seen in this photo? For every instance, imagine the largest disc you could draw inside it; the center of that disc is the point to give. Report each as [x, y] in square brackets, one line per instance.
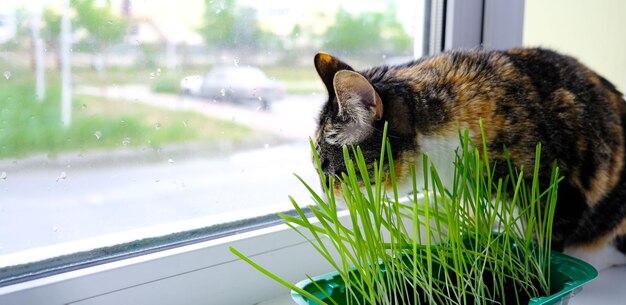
[218, 29]
[227, 26]
[393, 32]
[51, 32]
[102, 26]
[366, 33]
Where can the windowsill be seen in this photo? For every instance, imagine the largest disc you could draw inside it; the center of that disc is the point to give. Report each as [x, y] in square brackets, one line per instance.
[190, 274]
[608, 288]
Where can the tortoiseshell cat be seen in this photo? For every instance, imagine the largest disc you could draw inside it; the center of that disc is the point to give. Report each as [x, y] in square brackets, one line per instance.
[523, 96]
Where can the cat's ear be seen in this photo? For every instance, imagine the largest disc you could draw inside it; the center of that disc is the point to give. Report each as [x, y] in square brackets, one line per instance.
[327, 66]
[357, 98]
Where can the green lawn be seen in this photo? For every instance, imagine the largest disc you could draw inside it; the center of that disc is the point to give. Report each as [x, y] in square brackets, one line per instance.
[28, 126]
[298, 79]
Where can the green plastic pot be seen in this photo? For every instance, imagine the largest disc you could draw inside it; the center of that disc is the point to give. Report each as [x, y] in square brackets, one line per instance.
[567, 277]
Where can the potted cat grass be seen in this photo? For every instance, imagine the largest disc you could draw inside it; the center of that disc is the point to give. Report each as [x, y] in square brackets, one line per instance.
[481, 241]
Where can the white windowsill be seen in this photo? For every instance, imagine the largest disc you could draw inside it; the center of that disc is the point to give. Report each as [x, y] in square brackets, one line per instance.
[202, 273]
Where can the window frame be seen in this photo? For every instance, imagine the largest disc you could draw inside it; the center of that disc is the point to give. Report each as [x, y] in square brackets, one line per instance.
[207, 272]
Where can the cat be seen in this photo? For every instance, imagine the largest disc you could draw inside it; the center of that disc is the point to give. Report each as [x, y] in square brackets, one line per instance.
[523, 96]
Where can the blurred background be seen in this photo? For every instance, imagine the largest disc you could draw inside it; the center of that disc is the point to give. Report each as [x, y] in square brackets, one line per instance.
[153, 117]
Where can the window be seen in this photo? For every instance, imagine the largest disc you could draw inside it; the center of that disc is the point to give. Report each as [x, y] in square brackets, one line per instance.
[135, 133]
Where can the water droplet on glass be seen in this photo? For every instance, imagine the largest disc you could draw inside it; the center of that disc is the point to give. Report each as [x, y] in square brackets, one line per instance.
[170, 160]
[55, 228]
[3, 175]
[7, 74]
[126, 141]
[158, 72]
[62, 176]
[151, 75]
[185, 123]
[84, 106]
[98, 134]
[110, 21]
[157, 126]
[236, 62]
[223, 92]
[218, 11]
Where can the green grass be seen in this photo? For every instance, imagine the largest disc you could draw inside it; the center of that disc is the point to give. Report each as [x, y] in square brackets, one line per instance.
[167, 84]
[299, 80]
[466, 244]
[159, 80]
[130, 75]
[28, 126]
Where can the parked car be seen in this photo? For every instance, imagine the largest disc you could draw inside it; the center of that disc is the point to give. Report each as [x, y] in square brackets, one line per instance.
[190, 85]
[241, 84]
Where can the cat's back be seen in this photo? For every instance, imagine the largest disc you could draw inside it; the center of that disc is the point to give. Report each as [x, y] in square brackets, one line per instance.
[532, 93]
[523, 96]
[550, 71]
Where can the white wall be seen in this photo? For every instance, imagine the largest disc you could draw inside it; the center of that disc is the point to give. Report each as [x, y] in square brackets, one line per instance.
[593, 31]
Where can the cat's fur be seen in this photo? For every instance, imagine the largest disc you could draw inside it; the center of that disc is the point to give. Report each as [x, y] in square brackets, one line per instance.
[523, 96]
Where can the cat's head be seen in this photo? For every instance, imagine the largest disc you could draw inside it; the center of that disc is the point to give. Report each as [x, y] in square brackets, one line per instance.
[354, 114]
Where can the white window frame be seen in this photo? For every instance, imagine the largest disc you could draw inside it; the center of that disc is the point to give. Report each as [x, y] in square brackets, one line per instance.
[207, 272]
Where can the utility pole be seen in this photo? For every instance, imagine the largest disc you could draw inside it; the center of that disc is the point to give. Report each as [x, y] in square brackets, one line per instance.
[40, 65]
[66, 66]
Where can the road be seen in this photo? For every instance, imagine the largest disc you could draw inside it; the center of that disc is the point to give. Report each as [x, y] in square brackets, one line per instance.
[85, 203]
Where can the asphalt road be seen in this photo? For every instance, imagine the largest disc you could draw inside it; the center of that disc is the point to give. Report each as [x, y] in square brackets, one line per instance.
[49, 205]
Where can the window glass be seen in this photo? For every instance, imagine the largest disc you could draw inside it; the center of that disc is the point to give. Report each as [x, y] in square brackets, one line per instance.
[127, 119]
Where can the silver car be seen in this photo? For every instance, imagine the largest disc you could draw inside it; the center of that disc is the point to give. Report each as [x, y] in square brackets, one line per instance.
[240, 84]
[190, 85]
